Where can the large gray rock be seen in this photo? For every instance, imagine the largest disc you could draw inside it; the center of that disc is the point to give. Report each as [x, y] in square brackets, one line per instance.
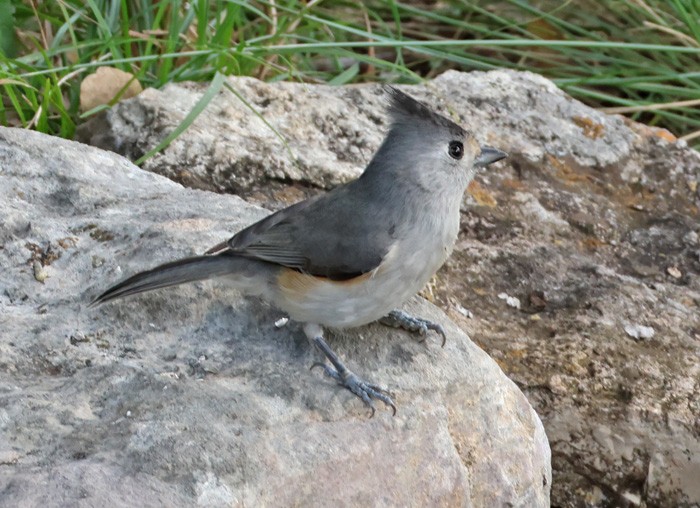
[192, 396]
[591, 228]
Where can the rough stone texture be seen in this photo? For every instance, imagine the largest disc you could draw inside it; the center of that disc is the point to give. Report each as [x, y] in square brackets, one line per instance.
[191, 396]
[578, 260]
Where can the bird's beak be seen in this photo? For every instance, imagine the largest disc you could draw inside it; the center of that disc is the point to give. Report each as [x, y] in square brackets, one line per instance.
[489, 155]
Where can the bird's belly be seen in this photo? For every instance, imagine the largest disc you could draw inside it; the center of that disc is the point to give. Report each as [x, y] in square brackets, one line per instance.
[361, 300]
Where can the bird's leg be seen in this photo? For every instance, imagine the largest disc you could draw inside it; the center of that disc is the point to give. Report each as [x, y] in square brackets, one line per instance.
[344, 376]
[400, 319]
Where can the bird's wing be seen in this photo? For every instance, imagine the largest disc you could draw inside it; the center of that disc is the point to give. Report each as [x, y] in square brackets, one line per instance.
[326, 236]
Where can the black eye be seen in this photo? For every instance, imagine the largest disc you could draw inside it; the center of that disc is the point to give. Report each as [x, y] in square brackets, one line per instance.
[456, 150]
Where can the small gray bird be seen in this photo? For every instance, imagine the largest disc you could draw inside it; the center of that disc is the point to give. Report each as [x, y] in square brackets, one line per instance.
[351, 256]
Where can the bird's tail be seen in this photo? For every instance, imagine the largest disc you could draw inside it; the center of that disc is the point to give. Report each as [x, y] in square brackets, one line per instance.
[171, 274]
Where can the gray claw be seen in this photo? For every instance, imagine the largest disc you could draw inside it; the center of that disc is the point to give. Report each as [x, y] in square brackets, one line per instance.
[429, 325]
[400, 319]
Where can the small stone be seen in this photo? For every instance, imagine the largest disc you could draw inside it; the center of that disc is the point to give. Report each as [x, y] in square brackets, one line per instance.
[281, 322]
[691, 238]
[40, 274]
[557, 384]
[511, 301]
[674, 272]
[464, 312]
[639, 332]
[634, 499]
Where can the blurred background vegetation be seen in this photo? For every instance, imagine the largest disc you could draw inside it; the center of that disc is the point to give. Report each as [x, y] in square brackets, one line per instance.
[636, 57]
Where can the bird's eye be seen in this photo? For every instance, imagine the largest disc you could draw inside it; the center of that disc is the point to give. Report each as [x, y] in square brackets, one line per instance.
[456, 150]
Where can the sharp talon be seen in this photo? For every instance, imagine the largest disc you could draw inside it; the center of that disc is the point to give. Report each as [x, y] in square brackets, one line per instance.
[441, 331]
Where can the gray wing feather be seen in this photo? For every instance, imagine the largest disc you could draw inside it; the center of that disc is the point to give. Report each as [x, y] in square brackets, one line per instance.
[326, 236]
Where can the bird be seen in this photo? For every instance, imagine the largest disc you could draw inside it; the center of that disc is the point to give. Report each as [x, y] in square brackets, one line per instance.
[355, 254]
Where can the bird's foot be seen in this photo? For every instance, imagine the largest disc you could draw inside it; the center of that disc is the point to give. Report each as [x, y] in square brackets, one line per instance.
[401, 319]
[345, 377]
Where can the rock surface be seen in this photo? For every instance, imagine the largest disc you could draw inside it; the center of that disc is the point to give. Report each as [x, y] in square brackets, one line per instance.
[192, 396]
[579, 258]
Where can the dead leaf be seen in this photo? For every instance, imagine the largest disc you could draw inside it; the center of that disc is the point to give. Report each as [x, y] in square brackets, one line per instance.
[106, 84]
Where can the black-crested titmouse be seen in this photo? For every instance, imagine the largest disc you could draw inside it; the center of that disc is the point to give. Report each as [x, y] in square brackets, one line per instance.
[351, 256]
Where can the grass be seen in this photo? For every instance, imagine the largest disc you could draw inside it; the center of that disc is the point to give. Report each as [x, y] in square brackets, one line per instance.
[637, 57]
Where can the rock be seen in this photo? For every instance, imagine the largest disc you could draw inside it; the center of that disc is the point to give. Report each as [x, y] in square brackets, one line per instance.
[581, 225]
[231, 148]
[193, 395]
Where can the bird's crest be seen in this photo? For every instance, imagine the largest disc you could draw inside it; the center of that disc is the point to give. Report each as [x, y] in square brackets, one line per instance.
[405, 110]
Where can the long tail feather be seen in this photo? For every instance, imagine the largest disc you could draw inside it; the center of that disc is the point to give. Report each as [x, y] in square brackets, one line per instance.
[169, 274]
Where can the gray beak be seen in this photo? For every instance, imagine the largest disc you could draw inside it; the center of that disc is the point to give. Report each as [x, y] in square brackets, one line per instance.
[489, 155]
